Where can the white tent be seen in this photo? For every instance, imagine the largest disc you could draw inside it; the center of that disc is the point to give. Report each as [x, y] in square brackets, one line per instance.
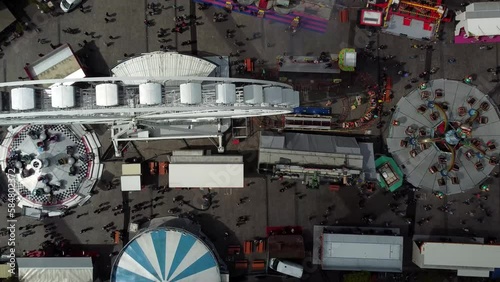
[60, 269]
[479, 19]
[473, 260]
[209, 171]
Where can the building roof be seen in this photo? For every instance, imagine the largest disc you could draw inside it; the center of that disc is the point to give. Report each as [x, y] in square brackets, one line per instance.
[218, 171]
[479, 19]
[412, 28]
[6, 17]
[159, 64]
[302, 64]
[391, 176]
[371, 17]
[461, 255]
[310, 143]
[130, 183]
[362, 252]
[43, 269]
[59, 63]
[314, 149]
[4, 271]
[208, 175]
[55, 262]
[216, 159]
[368, 159]
[131, 169]
[166, 254]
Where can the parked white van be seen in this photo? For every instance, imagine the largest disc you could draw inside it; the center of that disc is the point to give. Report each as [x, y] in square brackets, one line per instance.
[286, 267]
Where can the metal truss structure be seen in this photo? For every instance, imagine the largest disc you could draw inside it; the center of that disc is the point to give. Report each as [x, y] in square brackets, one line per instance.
[176, 114]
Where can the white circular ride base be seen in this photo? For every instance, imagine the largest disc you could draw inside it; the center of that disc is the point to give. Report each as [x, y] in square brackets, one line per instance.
[51, 167]
[444, 136]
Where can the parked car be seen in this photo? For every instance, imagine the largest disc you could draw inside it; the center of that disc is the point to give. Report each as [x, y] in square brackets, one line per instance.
[286, 267]
[68, 5]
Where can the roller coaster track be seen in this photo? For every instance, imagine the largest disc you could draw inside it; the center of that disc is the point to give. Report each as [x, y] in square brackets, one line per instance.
[345, 109]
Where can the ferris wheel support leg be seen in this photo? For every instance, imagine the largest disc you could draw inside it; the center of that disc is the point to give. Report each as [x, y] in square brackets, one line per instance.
[219, 144]
[220, 148]
[118, 152]
[117, 131]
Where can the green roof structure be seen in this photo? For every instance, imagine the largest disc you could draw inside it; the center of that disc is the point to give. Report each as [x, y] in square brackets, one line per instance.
[390, 175]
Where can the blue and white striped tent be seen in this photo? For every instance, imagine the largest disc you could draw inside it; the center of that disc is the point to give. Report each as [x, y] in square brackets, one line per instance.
[166, 255]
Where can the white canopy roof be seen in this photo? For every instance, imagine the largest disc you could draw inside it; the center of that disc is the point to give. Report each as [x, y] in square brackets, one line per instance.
[207, 175]
[362, 252]
[158, 64]
[479, 19]
[55, 269]
[461, 255]
[210, 171]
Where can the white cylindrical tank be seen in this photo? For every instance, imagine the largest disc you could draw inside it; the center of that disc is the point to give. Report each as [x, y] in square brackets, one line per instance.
[350, 59]
[273, 95]
[106, 94]
[226, 93]
[63, 96]
[150, 94]
[22, 98]
[191, 93]
[253, 94]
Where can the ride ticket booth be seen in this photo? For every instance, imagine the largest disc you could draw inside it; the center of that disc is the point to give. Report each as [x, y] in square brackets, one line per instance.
[131, 177]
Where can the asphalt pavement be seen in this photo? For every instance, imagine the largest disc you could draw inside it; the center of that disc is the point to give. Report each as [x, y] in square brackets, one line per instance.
[266, 205]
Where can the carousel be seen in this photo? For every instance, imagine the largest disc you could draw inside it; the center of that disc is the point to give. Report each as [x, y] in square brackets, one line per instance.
[50, 167]
[444, 136]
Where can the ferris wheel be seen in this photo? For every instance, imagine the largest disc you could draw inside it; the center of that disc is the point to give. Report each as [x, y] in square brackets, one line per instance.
[133, 104]
[111, 99]
[153, 96]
